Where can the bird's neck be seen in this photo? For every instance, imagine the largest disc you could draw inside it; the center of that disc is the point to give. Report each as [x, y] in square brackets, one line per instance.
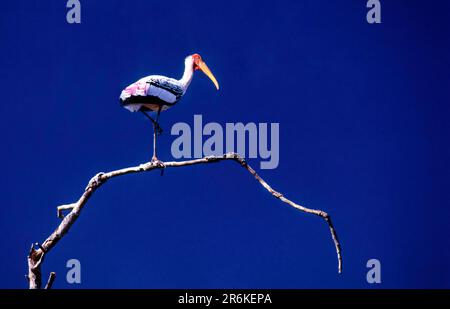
[188, 73]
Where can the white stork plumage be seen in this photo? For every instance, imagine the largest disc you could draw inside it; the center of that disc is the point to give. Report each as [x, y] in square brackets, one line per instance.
[156, 93]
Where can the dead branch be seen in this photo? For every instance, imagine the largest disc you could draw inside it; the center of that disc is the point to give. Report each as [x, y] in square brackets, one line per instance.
[36, 256]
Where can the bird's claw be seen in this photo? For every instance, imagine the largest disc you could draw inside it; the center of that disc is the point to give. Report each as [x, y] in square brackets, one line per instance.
[158, 163]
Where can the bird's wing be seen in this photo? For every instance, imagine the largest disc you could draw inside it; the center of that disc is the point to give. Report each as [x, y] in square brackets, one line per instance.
[138, 88]
[167, 89]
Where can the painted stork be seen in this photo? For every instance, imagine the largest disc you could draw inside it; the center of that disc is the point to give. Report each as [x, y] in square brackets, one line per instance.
[157, 93]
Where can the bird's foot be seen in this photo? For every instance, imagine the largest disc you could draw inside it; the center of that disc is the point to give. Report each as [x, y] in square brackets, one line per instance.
[158, 163]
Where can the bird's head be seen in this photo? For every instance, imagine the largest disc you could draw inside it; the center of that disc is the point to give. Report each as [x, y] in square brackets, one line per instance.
[199, 64]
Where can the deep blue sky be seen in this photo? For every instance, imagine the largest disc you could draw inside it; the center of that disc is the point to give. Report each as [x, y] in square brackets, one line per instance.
[363, 112]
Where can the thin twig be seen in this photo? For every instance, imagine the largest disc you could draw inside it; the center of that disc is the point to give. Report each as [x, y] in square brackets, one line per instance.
[35, 257]
[50, 281]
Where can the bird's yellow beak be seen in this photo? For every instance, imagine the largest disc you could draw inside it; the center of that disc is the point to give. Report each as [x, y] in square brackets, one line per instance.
[202, 66]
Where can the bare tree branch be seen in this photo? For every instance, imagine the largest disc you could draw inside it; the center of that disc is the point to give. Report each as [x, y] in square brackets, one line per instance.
[36, 257]
[50, 281]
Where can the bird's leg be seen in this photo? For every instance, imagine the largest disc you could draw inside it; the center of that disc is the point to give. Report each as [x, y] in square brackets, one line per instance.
[154, 122]
[157, 131]
[155, 134]
[154, 158]
[158, 127]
